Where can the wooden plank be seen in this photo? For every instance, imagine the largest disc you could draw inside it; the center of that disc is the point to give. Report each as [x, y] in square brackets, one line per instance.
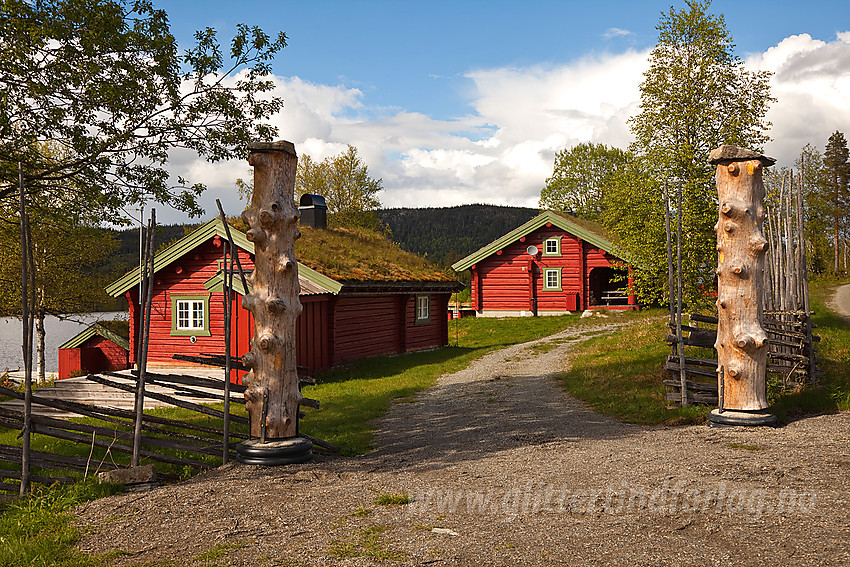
[693, 386]
[48, 480]
[707, 399]
[10, 453]
[689, 360]
[103, 413]
[703, 318]
[674, 367]
[188, 380]
[168, 399]
[85, 440]
[108, 432]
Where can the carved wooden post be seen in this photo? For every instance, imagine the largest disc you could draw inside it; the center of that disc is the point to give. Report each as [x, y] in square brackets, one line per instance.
[741, 340]
[272, 392]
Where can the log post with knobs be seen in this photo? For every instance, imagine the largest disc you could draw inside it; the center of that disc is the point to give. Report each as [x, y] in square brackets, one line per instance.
[741, 245]
[272, 390]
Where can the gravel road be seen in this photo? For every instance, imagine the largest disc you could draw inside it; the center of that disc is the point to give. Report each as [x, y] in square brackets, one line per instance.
[503, 468]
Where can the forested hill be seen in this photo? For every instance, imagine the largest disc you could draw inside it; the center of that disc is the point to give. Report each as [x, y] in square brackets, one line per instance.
[446, 234]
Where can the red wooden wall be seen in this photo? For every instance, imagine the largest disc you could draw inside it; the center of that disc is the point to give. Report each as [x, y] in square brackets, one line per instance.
[97, 354]
[504, 281]
[328, 331]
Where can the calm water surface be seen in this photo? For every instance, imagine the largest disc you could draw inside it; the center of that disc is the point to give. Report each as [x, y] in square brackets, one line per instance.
[58, 331]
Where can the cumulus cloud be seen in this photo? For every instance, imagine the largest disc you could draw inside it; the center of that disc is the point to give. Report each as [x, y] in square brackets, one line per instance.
[811, 82]
[503, 148]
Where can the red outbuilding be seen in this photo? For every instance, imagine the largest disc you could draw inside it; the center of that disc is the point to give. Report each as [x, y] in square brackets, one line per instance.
[361, 297]
[551, 265]
[100, 347]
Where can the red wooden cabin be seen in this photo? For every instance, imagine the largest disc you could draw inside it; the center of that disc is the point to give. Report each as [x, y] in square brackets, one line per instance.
[98, 348]
[551, 265]
[342, 319]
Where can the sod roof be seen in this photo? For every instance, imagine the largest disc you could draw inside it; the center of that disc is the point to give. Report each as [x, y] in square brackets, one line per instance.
[330, 258]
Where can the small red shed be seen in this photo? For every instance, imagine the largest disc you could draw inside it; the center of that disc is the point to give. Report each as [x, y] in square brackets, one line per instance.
[101, 347]
[356, 302]
[551, 265]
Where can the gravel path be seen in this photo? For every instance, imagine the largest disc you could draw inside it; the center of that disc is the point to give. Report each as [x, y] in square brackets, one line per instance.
[505, 469]
[841, 301]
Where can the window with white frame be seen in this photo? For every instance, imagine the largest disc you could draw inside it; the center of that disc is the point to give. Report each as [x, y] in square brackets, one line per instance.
[552, 247]
[423, 308]
[552, 279]
[190, 315]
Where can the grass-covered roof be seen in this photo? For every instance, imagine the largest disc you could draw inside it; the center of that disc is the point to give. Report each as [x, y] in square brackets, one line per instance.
[348, 254]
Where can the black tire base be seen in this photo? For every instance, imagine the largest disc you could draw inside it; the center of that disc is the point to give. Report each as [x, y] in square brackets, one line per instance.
[735, 418]
[275, 452]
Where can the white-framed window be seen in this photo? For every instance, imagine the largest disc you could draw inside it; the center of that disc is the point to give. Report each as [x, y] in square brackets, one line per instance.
[423, 309]
[552, 247]
[190, 315]
[552, 279]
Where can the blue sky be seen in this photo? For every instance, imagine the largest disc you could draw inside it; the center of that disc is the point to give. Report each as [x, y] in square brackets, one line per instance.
[460, 102]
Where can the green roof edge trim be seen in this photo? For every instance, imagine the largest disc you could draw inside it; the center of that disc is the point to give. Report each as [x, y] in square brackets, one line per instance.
[322, 280]
[529, 227]
[196, 238]
[92, 330]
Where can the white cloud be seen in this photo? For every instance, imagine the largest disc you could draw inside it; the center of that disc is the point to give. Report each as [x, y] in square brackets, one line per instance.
[502, 151]
[811, 83]
[616, 32]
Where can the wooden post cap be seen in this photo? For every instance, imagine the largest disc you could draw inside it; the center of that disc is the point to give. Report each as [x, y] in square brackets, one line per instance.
[279, 146]
[727, 153]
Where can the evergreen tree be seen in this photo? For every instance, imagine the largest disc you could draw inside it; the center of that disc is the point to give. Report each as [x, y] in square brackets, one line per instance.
[836, 162]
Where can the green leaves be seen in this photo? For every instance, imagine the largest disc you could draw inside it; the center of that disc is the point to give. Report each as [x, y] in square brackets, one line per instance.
[695, 96]
[105, 81]
[578, 184]
[344, 181]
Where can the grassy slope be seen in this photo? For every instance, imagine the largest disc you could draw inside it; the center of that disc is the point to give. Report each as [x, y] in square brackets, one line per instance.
[620, 374]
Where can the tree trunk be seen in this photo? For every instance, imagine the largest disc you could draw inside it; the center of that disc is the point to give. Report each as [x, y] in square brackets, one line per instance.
[274, 302]
[40, 334]
[741, 340]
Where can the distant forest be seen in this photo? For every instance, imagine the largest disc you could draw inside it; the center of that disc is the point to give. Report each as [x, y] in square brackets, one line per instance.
[444, 235]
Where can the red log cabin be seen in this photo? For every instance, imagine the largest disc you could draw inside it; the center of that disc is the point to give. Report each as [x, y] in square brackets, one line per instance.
[551, 265]
[361, 295]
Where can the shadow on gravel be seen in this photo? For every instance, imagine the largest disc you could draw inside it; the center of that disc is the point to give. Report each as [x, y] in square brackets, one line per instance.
[462, 422]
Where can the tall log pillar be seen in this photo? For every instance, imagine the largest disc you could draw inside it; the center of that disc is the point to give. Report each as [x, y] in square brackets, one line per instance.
[272, 392]
[741, 340]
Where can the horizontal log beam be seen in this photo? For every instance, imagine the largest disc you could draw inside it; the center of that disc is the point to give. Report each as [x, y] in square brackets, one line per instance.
[168, 399]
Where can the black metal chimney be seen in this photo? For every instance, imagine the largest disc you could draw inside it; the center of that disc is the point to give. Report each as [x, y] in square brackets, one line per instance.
[314, 211]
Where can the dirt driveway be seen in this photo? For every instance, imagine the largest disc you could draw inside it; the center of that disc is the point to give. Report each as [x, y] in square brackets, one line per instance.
[504, 469]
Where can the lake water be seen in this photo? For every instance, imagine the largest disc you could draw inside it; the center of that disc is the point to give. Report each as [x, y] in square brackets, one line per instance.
[57, 332]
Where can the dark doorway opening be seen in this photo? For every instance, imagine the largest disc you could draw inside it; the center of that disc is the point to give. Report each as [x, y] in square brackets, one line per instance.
[608, 287]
